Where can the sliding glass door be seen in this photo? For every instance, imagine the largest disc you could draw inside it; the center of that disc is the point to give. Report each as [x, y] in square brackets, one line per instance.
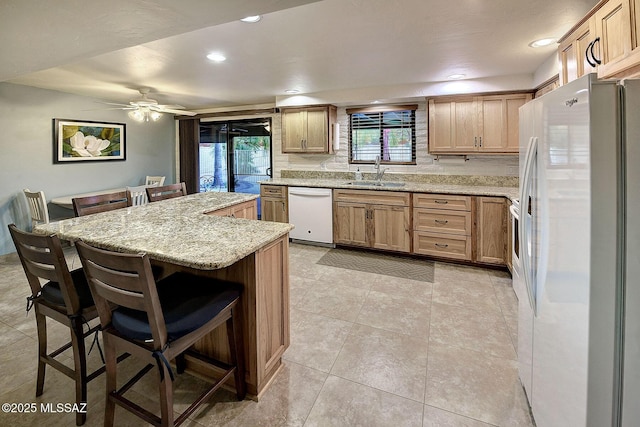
[235, 155]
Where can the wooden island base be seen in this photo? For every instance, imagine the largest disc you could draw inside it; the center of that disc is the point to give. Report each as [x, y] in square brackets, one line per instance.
[265, 314]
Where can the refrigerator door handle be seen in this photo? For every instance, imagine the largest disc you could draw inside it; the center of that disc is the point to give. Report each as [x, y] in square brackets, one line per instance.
[525, 228]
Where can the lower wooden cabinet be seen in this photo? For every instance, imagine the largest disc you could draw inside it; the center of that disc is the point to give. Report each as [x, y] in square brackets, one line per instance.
[274, 204]
[372, 219]
[491, 230]
[246, 210]
[442, 225]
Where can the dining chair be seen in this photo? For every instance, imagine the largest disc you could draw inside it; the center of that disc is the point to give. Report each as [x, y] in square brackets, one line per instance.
[65, 298]
[170, 191]
[38, 207]
[160, 321]
[137, 196]
[100, 203]
[154, 180]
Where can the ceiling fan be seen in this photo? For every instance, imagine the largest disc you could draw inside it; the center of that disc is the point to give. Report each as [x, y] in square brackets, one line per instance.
[145, 108]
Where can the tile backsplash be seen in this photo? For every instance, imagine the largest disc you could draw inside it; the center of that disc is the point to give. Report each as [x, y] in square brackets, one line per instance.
[475, 180]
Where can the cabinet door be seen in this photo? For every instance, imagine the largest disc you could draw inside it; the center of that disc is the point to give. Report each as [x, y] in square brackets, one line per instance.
[245, 210]
[293, 130]
[274, 209]
[317, 132]
[492, 123]
[491, 223]
[613, 26]
[512, 123]
[465, 126]
[350, 221]
[440, 126]
[571, 52]
[452, 126]
[391, 228]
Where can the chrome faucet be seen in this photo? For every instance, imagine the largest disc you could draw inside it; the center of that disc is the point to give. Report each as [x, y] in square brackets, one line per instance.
[379, 173]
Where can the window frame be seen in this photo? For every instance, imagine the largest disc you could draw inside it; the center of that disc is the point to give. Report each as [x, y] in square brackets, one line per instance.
[380, 110]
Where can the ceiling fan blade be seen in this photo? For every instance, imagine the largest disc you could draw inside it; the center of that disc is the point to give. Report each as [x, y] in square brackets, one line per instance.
[114, 103]
[110, 108]
[170, 107]
[177, 112]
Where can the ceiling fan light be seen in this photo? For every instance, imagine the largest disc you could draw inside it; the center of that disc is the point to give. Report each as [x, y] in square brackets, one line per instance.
[137, 115]
[155, 116]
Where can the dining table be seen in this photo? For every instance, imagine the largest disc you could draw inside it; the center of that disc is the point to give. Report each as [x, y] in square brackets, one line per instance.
[67, 201]
[188, 234]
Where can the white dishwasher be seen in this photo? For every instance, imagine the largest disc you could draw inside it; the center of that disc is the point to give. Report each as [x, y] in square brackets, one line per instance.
[311, 211]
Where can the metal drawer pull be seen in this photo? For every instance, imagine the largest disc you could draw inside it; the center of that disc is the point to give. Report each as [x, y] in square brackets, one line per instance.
[440, 245]
[442, 202]
[439, 221]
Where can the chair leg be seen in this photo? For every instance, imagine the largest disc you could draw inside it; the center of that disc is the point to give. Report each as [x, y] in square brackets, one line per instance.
[236, 350]
[111, 366]
[41, 324]
[80, 363]
[166, 398]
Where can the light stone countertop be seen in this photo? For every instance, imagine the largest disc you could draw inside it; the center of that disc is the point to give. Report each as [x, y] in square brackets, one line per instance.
[411, 187]
[175, 230]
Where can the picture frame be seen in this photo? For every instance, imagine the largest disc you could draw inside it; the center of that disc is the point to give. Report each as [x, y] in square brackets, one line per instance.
[80, 141]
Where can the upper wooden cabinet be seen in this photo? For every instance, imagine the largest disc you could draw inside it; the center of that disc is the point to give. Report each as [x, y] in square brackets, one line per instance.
[605, 40]
[475, 124]
[572, 52]
[308, 129]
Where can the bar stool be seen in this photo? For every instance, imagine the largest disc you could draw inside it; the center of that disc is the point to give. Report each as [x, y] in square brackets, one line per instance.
[158, 322]
[100, 203]
[155, 194]
[65, 298]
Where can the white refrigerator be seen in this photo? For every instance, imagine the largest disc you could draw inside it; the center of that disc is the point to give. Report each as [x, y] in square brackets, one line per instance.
[579, 351]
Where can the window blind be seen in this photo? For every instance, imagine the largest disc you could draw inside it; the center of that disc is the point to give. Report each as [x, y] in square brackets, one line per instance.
[386, 132]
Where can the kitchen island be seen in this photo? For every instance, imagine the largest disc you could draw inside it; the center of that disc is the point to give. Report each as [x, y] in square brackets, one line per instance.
[186, 234]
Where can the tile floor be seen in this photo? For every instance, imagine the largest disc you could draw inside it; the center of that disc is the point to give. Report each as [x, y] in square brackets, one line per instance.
[366, 350]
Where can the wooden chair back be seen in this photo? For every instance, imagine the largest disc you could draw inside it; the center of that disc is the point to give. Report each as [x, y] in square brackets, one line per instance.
[99, 203]
[125, 280]
[42, 258]
[154, 180]
[37, 206]
[164, 192]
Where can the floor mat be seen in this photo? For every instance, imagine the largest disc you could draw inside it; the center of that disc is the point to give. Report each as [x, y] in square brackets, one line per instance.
[373, 262]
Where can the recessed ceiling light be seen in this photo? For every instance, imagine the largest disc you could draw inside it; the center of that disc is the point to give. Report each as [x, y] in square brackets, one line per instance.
[457, 76]
[375, 102]
[216, 57]
[292, 91]
[542, 42]
[251, 19]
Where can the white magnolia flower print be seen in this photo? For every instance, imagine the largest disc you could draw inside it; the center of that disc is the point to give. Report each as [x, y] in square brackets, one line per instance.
[88, 146]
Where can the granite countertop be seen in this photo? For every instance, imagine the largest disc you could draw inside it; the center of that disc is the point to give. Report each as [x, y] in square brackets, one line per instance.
[175, 230]
[411, 187]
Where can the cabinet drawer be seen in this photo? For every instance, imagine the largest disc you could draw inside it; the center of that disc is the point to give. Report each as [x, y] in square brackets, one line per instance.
[442, 245]
[442, 221]
[442, 201]
[275, 191]
[372, 197]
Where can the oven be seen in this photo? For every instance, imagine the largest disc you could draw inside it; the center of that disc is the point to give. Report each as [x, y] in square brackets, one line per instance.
[514, 209]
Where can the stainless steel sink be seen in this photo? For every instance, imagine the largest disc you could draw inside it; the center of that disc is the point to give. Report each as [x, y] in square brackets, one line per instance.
[386, 184]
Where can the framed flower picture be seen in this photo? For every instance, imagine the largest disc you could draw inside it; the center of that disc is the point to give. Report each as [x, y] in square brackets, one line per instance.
[79, 141]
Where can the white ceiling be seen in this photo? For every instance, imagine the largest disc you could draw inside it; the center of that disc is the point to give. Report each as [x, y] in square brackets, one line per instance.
[333, 50]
